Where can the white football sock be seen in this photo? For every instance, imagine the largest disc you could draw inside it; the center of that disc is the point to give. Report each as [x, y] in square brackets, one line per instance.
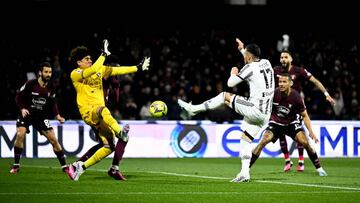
[212, 103]
[245, 154]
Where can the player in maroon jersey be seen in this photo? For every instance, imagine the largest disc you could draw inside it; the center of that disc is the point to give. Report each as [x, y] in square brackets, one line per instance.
[298, 75]
[288, 105]
[35, 100]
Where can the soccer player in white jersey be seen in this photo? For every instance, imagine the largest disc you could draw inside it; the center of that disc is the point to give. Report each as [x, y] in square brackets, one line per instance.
[256, 109]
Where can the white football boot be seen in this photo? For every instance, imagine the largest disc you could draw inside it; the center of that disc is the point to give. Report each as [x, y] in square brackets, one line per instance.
[187, 107]
[78, 170]
[321, 172]
[241, 178]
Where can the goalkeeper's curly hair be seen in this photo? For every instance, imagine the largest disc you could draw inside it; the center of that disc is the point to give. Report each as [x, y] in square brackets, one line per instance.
[77, 54]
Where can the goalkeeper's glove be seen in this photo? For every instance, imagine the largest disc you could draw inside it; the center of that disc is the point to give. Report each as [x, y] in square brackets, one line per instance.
[105, 50]
[144, 64]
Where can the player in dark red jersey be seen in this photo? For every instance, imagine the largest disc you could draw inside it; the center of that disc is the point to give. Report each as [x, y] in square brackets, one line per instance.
[35, 100]
[298, 75]
[284, 120]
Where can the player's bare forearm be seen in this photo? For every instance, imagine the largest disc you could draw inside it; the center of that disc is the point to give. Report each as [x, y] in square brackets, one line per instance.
[318, 84]
[308, 126]
[307, 121]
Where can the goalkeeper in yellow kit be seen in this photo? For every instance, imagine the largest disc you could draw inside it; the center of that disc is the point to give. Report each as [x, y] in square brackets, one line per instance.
[87, 80]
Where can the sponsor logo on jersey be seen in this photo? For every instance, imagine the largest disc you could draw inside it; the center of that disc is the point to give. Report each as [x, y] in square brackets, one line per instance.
[39, 101]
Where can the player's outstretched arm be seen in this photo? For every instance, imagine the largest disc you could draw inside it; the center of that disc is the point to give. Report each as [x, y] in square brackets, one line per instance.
[319, 85]
[240, 46]
[120, 70]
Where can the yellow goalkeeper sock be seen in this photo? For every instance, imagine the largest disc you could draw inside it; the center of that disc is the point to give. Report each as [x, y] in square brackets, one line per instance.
[109, 120]
[98, 156]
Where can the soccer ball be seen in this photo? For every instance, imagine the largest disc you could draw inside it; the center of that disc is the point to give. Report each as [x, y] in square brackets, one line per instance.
[158, 109]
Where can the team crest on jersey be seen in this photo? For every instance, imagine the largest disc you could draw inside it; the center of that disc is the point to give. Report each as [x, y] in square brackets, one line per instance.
[282, 111]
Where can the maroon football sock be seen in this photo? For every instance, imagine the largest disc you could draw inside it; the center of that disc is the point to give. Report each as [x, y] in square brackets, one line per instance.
[61, 157]
[119, 152]
[90, 152]
[17, 154]
[301, 152]
[284, 147]
[314, 159]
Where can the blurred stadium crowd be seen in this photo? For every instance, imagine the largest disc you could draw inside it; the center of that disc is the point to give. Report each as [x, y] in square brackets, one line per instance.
[191, 62]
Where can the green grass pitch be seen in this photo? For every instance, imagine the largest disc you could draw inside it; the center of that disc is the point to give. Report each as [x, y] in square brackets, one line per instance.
[182, 180]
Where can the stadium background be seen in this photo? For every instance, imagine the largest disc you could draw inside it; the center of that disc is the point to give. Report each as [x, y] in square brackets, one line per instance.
[192, 46]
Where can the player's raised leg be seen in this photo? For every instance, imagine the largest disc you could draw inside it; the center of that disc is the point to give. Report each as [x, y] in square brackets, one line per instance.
[212, 103]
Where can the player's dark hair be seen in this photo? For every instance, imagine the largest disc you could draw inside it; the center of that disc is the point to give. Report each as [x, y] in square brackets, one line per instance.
[286, 51]
[77, 54]
[286, 75]
[44, 64]
[254, 49]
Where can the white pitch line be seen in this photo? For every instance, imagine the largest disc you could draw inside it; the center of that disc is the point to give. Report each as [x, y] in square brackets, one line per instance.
[186, 175]
[259, 181]
[223, 178]
[309, 185]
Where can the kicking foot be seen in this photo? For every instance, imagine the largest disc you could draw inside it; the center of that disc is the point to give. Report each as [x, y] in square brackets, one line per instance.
[187, 107]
